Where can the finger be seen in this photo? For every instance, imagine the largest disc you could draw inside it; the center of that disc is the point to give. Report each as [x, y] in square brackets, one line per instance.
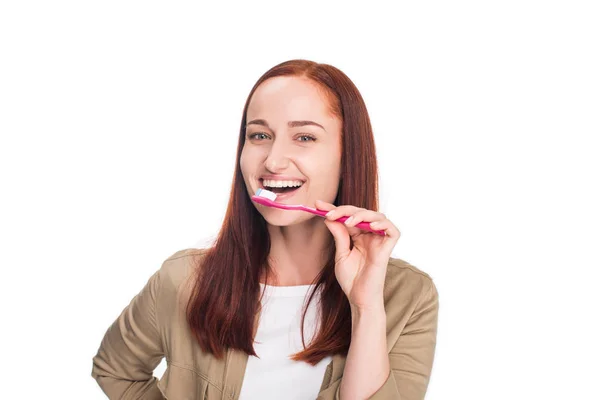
[342, 211]
[323, 205]
[364, 215]
[392, 232]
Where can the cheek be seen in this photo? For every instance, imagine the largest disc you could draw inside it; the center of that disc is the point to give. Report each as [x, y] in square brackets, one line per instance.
[250, 162]
[244, 164]
[330, 161]
[332, 166]
[325, 158]
[322, 171]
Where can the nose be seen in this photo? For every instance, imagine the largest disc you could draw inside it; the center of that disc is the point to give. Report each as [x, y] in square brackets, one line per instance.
[277, 159]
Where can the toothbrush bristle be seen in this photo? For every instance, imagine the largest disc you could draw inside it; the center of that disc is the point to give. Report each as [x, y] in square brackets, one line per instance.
[266, 194]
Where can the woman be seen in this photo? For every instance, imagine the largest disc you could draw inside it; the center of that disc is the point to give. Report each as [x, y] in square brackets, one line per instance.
[231, 319]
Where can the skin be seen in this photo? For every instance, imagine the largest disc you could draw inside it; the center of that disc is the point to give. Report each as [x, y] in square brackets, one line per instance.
[298, 238]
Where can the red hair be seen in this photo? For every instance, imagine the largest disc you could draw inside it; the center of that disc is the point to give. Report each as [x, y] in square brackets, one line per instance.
[225, 298]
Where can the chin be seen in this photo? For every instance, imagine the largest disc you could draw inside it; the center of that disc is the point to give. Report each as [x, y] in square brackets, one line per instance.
[277, 217]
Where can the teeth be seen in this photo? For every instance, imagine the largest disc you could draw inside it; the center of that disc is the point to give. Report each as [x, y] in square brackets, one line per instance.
[274, 183]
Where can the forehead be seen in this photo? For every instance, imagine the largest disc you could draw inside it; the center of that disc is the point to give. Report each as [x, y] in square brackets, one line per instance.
[288, 98]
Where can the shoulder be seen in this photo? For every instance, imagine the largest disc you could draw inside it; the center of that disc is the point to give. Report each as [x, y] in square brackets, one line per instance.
[405, 286]
[178, 267]
[174, 281]
[402, 273]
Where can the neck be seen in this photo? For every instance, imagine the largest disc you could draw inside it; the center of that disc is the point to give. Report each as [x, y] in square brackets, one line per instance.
[298, 252]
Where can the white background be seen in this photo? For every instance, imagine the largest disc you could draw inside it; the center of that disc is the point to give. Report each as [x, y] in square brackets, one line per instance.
[119, 124]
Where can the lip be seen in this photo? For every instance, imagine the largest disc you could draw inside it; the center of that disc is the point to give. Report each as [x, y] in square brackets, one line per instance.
[281, 178]
[281, 196]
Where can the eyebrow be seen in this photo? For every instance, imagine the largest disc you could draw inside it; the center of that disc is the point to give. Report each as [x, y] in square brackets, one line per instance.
[291, 124]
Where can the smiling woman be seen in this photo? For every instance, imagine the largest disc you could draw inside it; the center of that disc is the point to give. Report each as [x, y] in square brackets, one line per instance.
[286, 304]
[293, 129]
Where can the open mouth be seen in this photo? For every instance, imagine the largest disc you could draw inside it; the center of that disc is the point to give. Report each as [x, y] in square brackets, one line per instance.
[279, 190]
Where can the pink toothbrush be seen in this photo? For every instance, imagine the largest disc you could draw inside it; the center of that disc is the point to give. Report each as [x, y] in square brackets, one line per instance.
[267, 198]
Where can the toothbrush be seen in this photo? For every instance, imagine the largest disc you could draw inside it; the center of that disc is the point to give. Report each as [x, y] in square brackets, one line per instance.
[267, 198]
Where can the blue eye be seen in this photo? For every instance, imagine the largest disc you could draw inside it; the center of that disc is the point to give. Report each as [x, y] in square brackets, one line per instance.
[255, 134]
[312, 138]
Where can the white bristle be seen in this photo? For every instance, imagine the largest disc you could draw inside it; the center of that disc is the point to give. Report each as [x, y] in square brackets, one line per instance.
[266, 194]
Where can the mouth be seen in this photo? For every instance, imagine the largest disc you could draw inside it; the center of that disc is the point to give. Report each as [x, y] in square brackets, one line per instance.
[280, 191]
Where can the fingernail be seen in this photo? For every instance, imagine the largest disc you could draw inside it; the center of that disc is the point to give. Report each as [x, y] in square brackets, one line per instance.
[348, 221]
[329, 213]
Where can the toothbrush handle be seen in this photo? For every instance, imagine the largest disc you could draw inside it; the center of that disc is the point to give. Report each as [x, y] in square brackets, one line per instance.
[362, 225]
[367, 227]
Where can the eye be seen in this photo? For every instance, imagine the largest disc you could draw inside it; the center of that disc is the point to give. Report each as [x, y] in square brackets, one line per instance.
[310, 138]
[255, 134]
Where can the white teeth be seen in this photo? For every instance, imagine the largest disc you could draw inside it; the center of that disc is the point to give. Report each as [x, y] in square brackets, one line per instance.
[274, 183]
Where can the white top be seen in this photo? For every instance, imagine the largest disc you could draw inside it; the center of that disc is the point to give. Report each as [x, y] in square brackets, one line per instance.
[273, 375]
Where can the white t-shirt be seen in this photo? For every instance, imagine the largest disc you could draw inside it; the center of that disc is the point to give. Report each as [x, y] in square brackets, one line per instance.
[274, 375]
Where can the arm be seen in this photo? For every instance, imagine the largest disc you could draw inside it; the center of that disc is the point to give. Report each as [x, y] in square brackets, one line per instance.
[131, 349]
[411, 358]
[368, 348]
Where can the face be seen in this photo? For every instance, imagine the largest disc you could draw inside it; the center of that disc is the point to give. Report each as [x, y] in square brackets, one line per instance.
[291, 135]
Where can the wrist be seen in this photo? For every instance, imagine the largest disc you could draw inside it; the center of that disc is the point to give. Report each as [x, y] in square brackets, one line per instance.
[371, 314]
[376, 307]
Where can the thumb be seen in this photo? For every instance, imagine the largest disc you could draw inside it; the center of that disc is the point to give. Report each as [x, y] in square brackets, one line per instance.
[340, 233]
[341, 238]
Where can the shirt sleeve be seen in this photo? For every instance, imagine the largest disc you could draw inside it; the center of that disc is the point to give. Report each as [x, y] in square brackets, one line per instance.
[131, 349]
[411, 358]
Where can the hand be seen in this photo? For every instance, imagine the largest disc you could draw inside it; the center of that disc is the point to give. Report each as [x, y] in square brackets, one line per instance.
[361, 271]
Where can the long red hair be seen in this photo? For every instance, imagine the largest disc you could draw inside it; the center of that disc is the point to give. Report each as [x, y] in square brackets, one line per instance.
[225, 296]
